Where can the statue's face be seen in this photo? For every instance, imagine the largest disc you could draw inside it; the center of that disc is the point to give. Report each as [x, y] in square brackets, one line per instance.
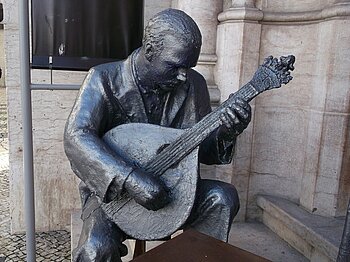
[171, 65]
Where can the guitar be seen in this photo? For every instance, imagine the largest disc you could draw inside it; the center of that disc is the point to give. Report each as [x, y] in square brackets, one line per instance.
[172, 155]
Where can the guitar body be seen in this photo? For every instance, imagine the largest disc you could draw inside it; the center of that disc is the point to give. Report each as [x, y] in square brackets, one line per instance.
[138, 143]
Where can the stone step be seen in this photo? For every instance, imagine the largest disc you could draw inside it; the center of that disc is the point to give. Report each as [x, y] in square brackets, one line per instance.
[316, 237]
[260, 240]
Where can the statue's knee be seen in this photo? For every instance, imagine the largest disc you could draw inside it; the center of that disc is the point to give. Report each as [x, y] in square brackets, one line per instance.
[226, 195]
[100, 239]
[85, 253]
[89, 246]
[97, 250]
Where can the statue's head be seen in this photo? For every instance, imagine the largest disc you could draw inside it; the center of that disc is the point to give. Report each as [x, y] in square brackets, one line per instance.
[171, 44]
[175, 23]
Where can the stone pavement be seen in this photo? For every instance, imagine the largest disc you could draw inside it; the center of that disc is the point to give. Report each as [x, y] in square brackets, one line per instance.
[51, 246]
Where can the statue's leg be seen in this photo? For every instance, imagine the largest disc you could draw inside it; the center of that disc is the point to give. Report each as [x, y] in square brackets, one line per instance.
[100, 239]
[216, 205]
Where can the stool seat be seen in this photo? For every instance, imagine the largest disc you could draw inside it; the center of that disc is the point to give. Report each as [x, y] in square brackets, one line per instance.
[140, 246]
[195, 246]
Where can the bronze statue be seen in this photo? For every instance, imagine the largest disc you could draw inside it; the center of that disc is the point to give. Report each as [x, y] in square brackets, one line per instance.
[135, 136]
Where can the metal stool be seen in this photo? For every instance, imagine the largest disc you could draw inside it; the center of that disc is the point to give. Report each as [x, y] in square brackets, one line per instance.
[140, 248]
[344, 249]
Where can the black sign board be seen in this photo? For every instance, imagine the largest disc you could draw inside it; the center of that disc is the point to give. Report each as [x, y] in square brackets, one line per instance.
[78, 34]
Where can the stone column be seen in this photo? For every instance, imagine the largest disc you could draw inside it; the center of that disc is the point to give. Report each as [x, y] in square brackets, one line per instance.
[243, 3]
[325, 182]
[205, 14]
[238, 43]
[152, 7]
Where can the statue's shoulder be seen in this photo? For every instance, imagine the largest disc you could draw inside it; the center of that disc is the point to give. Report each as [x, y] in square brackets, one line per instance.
[104, 75]
[107, 70]
[196, 80]
[198, 88]
[195, 77]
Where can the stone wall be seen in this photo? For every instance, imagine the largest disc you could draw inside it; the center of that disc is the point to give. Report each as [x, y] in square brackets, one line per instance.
[2, 56]
[55, 186]
[296, 146]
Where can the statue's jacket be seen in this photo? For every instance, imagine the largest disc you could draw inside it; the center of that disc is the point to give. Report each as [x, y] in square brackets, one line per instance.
[110, 97]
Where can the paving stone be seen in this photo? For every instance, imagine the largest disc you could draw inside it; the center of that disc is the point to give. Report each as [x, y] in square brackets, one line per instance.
[12, 247]
[51, 246]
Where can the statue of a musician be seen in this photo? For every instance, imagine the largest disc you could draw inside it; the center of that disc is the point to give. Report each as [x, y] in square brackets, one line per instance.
[154, 85]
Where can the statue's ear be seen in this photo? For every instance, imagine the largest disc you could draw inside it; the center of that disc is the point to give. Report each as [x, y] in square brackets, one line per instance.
[149, 51]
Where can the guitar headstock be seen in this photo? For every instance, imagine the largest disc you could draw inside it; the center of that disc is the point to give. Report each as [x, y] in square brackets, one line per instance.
[273, 72]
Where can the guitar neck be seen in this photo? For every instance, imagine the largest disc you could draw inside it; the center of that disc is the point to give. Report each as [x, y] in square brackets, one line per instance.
[271, 74]
[195, 135]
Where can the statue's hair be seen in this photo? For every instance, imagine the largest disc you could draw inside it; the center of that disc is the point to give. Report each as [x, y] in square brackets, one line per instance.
[174, 22]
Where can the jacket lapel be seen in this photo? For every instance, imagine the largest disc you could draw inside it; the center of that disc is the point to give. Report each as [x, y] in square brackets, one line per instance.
[173, 104]
[130, 97]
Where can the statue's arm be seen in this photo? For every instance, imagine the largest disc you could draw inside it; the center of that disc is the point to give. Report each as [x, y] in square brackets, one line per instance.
[222, 141]
[92, 161]
[216, 149]
[103, 171]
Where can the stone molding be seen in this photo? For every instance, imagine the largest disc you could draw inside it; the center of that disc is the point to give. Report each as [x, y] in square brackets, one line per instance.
[241, 13]
[330, 12]
[339, 10]
[207, 59]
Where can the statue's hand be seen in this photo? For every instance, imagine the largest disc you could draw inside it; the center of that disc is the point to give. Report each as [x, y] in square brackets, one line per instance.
[146, 190]
[235, 119]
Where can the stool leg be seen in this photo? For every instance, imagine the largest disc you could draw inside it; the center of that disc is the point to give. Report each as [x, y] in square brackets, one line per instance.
[140, 247]
[344, 249]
